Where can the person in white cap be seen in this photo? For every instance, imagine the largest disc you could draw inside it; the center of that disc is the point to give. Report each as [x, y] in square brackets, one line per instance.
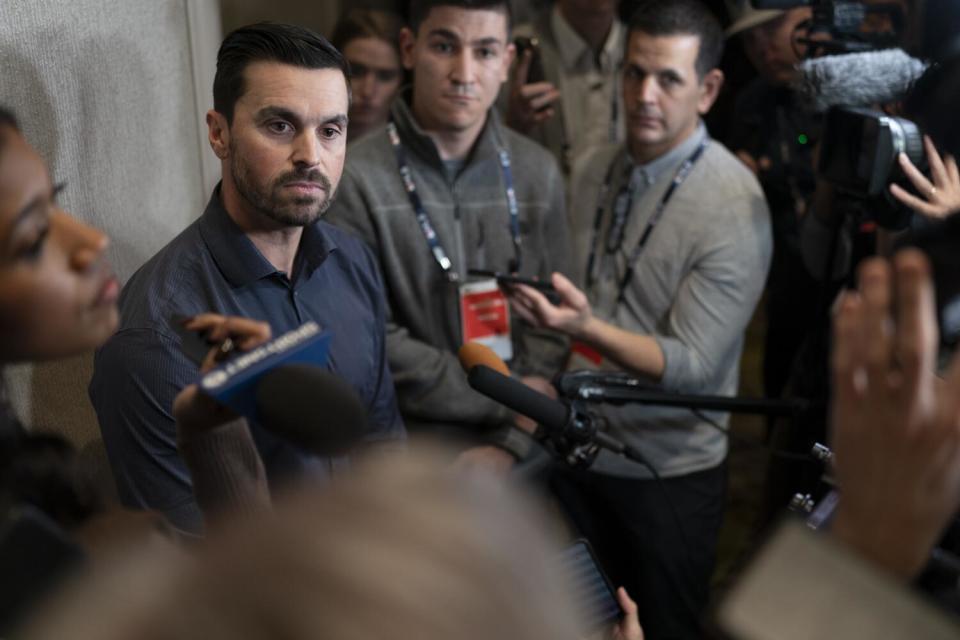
[774, 136]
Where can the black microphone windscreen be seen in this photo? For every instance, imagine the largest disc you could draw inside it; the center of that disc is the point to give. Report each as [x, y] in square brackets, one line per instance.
[519, 397]
[312, 408]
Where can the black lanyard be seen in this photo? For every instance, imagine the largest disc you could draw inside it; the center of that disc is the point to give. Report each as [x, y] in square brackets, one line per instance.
[622, 207]
[423, 218]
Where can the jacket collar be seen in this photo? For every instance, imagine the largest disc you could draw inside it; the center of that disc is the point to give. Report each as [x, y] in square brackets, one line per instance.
[417, 141]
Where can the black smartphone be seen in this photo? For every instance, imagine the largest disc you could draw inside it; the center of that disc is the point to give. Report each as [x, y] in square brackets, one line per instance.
[591, 586]
[527, 43]
[546, 288]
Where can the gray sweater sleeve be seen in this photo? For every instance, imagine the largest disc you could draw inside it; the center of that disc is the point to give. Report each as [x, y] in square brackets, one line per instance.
[716, 299]
[431, 385]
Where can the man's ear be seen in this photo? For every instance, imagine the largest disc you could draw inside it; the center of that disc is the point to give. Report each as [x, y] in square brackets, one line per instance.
[218, 133]
[408, 39]
[709, 90]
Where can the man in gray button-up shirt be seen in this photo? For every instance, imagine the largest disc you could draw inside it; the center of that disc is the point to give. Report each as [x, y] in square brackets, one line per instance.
[671, 308]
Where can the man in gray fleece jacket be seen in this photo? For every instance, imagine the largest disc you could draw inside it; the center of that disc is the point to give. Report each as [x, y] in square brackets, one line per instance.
[674, 243]
[475, 196]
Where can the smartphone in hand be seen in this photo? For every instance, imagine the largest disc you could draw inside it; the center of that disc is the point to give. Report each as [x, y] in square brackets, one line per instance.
[544, 287]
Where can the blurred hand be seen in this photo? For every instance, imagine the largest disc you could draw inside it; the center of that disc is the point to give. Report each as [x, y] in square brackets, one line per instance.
[193, 410]
[529, 104]
[941, 197]
[629, 627]
[485, 459]
[569, 317]
[124, 529]
[895, 427]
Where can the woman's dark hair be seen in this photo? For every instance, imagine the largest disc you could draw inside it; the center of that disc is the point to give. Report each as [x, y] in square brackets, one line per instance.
[368, 23]
[43, 470]
[268, 42]
[40, 469]
[11, 430]
[7, 121]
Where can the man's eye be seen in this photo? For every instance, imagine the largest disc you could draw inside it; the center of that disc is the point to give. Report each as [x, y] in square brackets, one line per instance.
[280, 127]
[386, 76]
[486, 53]
[443, 47]
[330, 132]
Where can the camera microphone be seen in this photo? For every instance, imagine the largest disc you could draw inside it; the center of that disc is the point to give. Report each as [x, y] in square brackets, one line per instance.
[858, 79]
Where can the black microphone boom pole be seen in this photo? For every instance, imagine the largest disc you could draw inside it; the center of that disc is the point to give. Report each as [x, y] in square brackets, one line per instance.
[624, 395]
[555, 418]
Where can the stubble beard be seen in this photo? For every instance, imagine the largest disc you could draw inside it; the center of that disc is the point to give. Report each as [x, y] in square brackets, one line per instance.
[291, 211]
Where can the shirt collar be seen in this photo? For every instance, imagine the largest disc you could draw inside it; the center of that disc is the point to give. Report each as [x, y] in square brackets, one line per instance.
[651, 171]
[576, 53]
[240, 261]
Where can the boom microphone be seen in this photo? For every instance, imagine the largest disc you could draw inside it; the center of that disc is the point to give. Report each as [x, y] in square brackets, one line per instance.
[554, 418]
[571, 383]
[473, 353]
[312, 408]
[858, 79]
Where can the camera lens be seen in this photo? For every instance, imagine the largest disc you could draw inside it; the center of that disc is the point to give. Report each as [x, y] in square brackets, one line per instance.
[907, 139]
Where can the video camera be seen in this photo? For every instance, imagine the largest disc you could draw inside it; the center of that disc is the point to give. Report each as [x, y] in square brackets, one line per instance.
[864, 70]
[844, 26]
[858, 156]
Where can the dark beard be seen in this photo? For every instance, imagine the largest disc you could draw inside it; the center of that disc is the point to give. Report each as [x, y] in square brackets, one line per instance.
[291, 211]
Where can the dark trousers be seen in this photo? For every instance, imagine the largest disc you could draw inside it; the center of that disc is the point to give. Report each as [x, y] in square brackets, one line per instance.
[664, 565]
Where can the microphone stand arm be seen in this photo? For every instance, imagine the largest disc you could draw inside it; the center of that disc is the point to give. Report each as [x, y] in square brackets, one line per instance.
[627, 395]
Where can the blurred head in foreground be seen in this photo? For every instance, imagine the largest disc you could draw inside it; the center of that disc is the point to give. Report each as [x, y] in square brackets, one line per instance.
[400, 551]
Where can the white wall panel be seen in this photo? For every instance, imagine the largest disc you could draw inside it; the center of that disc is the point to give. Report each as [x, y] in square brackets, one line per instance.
[112, 93]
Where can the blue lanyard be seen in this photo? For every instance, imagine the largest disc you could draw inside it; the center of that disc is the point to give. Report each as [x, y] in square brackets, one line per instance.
[423, 218]
[622, 211]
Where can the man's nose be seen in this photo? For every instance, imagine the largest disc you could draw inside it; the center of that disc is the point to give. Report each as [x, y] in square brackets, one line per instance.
[464, 67]
[306, 149]
[649, 89]
[365, 85]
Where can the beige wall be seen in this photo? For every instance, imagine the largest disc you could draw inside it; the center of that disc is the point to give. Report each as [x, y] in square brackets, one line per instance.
[112, 93]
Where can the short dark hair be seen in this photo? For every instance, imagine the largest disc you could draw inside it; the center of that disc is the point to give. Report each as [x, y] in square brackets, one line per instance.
[268, 41]
[682, 17]
[368, 23]
[420, 9]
